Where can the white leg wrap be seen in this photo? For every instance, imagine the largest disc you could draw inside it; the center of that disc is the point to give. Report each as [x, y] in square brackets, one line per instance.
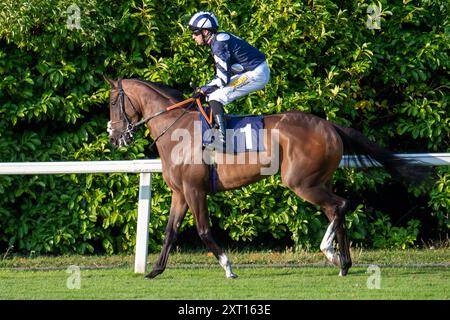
[327, 242]
[226, 265]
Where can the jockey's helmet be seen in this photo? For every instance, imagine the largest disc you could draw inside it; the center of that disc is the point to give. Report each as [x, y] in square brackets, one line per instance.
[203, 20]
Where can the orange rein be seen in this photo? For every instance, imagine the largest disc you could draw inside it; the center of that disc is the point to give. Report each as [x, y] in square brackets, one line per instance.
[199, 104]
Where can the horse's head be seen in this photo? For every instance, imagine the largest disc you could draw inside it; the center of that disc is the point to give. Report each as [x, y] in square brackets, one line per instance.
[122, 115]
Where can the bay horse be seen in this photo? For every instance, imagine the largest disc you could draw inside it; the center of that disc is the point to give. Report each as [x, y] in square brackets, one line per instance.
[310, 151]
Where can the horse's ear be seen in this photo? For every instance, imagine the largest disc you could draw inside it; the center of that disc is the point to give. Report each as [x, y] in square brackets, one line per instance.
[112, 83]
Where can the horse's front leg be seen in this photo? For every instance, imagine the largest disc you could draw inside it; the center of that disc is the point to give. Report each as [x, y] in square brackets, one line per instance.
[178, 211]
[198, 205]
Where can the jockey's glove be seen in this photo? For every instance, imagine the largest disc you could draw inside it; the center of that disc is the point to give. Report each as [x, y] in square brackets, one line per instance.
[198, 94]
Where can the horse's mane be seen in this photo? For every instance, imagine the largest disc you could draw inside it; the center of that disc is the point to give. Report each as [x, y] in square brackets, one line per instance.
[165, 91]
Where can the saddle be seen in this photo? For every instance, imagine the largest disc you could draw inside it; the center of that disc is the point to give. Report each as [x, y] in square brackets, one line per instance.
[244, 132]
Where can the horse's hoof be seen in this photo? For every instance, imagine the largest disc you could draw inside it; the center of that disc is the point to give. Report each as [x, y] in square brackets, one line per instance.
[232, 276]
[345, 266]
[152, 275]
[343, 272]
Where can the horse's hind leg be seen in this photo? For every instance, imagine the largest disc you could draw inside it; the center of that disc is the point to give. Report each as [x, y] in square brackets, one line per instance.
[178, 209]
[342, 239]
[326, 246]
[336, 215]
[335, 208]
[197, 203]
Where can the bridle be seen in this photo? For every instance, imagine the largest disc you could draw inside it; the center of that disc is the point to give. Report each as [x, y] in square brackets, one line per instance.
[130, 126]
[123, 116]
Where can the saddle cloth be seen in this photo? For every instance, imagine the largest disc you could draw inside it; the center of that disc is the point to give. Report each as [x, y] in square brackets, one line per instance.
[244, 133]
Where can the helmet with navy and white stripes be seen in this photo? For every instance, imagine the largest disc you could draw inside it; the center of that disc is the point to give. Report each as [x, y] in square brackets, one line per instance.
[203, 20]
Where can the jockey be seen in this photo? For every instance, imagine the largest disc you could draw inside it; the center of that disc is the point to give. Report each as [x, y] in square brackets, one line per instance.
[240, 67]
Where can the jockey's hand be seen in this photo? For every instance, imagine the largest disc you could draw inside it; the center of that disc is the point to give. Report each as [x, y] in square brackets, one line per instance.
[198, 94]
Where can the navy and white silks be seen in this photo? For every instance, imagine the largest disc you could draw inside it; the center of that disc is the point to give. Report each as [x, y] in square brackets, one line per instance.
[240, 69]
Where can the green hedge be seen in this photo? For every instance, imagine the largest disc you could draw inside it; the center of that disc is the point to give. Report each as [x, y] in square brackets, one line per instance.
[391, 83]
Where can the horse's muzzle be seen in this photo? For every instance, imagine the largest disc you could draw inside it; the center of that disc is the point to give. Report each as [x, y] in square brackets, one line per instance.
[119, 138]
[120, 141]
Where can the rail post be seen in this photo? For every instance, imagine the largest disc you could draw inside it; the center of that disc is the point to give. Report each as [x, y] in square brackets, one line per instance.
[144, 209]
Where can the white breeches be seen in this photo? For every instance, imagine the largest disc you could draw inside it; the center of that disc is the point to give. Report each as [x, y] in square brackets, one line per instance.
[242, 84]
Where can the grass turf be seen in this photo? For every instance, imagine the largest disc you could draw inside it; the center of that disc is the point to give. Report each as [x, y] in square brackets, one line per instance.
[209, 283]
[401, 277]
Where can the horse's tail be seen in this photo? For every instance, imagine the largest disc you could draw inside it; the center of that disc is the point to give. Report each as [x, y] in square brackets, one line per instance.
[367, 153]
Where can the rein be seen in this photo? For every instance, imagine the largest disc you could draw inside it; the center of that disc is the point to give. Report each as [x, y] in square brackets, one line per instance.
[131, 127]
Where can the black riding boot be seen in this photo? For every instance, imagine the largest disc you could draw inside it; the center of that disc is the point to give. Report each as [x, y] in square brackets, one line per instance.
[217, 110]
